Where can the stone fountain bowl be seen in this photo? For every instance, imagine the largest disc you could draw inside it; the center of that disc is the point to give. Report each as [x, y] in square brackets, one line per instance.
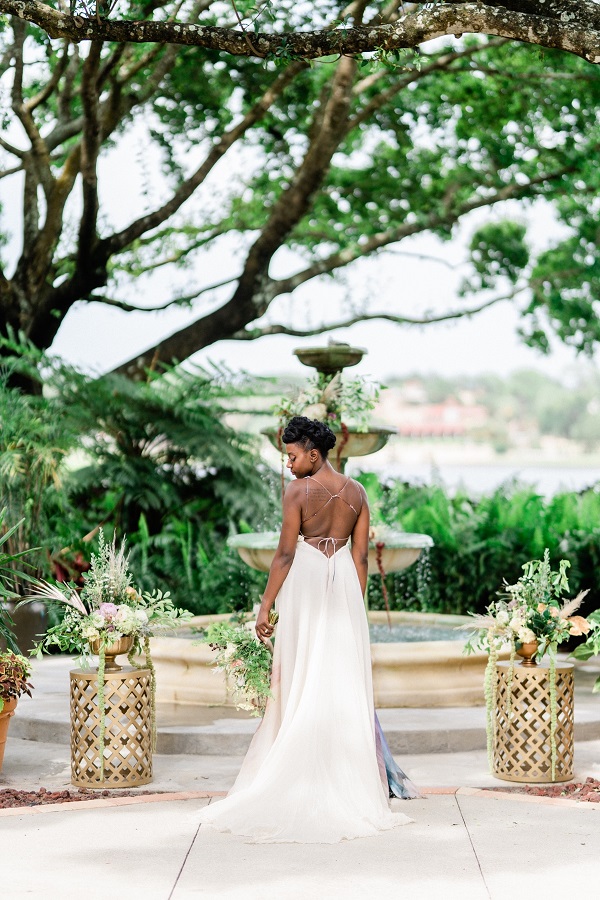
[400, 549]
[359, 443]
[421, 674]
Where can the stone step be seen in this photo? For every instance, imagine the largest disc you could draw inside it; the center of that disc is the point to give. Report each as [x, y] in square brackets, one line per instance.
[224, 731]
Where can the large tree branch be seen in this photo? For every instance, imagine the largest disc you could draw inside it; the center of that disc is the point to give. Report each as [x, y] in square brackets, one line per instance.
[342, 258]
[4, 173]
[52, 83]
[14, 151]
[183, 300]
[136, 229]
[90, 147]
[559, 24]
[252, 296]
[39, 156]
[252, 334]
[213, 326]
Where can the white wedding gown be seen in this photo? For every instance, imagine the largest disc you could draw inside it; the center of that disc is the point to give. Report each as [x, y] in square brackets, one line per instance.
[311, 774]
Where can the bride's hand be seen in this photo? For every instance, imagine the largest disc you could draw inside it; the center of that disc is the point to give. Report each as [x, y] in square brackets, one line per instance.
[263, 628]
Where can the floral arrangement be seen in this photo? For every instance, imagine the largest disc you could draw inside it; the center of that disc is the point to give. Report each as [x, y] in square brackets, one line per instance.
[329, 399]
[107, 608]
[245, 660]
[592, 645]
[530, 612]
[14, 672]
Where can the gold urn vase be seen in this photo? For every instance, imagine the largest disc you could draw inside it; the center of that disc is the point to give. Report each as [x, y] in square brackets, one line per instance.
[111, 651]
[527, 652]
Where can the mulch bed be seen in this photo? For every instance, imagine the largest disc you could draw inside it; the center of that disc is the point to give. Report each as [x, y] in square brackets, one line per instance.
[587, 791]
[12, 799]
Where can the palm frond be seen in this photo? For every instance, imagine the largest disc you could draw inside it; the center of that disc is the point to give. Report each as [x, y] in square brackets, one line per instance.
[46, 591]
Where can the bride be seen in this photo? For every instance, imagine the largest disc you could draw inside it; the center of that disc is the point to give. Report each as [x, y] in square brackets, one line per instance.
[318, 769]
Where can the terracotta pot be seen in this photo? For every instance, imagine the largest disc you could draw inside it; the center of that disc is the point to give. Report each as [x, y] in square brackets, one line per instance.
[123, 645]
[7, 711]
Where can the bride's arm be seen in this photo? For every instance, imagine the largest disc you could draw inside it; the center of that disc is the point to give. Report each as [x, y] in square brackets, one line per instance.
[360, 542]
[284, 555]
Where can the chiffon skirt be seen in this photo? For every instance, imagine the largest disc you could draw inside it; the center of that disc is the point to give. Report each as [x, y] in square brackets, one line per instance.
[311, 774]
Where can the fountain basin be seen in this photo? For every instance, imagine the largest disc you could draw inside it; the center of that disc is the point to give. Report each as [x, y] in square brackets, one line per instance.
[401, 549]
[422, 674]
[330, 359]
[358, 443]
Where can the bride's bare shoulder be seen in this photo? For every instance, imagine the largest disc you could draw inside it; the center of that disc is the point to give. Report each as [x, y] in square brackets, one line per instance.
[296, 488]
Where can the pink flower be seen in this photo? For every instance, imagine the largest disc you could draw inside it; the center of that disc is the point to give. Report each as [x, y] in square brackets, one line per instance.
[108, 610]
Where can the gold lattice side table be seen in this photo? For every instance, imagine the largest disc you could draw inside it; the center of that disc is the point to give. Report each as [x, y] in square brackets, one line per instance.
[128, 728]
[522, 746]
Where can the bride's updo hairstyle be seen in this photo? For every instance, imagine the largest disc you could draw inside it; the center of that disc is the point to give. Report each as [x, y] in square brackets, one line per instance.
[310, 434]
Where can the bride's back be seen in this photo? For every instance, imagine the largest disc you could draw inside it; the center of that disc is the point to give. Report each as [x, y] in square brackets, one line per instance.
[330, 507]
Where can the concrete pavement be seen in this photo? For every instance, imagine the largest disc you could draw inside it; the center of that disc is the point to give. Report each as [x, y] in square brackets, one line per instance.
[460, 845]
[463, 843]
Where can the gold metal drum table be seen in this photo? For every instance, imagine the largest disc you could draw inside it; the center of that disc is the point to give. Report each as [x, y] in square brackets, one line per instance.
[127, 733]
[522, 724]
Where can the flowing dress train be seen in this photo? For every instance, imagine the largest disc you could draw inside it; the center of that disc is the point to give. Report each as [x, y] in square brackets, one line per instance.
[313, 772]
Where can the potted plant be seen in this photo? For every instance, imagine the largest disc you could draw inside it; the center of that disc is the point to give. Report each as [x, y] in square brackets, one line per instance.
[108, 616]
[14, 672]
[531, 617]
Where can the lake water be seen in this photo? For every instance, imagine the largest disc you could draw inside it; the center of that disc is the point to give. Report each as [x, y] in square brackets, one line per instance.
[483, 479]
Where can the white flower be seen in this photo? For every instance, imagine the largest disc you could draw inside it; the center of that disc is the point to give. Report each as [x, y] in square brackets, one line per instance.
[526, 635]
[141, 616]
[97, 620]
[230, 650]
[503, 617]
[516, 623]
[89, 633]
[123, 613]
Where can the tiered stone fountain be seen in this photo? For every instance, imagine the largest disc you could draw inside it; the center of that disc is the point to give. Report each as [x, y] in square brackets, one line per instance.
[432, 672]
[390, 551]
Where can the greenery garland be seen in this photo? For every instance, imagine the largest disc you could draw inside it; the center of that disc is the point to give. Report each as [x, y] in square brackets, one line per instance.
[509, 680]
[147, 664]
[101, 702]
[490, 687]
[553, 709]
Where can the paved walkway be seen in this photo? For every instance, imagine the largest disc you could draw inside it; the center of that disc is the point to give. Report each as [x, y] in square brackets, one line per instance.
[464, 843]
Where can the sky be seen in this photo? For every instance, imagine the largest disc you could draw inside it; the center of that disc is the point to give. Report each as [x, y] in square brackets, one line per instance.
[98, 338]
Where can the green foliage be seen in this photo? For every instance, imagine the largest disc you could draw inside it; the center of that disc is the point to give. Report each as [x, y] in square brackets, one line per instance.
[162, 465]
[480, 542]
[11, 576]
[34, 442]
[550, 406]
[156, 460]
[498, 249]
[431, 135]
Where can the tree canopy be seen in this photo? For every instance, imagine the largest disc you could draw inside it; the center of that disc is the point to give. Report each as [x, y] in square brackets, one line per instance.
[320, 166]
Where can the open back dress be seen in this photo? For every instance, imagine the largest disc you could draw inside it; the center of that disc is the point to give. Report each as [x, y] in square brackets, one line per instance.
[318, 769]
